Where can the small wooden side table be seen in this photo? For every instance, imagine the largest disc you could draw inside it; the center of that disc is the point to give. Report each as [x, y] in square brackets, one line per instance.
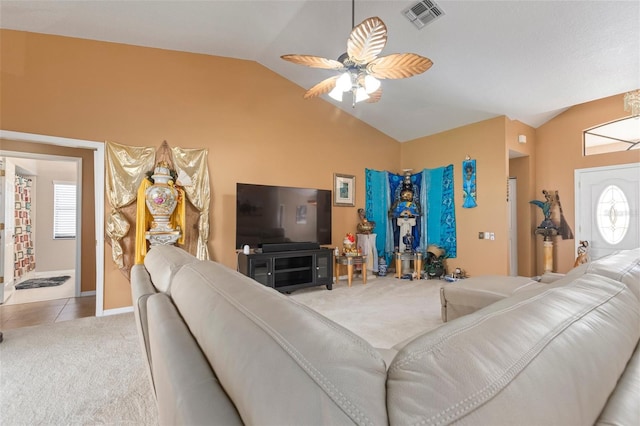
[350, 261]
[416, 258]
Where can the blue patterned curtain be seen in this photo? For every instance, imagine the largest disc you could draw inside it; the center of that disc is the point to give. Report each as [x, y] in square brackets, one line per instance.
[377, 204]
[438, 221]
[441, 213]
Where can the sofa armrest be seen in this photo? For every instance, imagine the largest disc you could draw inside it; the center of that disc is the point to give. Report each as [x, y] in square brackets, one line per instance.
[141, 289]
[187, 390]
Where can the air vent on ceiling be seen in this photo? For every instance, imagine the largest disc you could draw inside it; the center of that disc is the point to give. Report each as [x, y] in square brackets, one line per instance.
[423, 13]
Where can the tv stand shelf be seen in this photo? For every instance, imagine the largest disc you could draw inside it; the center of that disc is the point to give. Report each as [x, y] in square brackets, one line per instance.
[287, 271]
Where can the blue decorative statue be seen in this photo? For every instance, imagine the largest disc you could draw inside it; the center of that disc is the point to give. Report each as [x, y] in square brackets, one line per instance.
[406, 211]
[546, 209]
[406, 202]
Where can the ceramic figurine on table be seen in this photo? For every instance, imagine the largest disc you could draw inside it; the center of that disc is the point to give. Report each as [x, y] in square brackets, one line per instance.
[349, 245]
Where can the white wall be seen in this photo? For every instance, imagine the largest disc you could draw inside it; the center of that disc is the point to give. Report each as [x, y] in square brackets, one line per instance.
[51, 255]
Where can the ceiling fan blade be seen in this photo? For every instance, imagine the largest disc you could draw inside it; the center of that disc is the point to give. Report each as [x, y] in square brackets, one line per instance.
[399, 65]
[314, 61]
[375, 96]
[325, 86]
[367, 40]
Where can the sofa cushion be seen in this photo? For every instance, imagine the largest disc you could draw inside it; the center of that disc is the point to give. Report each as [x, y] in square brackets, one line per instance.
[466, 296]
[623, 266]
[548, 358]
[162, 263]
[622, 407]
[187, 390]
[269, 351]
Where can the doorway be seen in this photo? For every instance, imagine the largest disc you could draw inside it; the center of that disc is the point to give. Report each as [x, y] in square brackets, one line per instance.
[512, 197]
[41, 256]
[97, 151]
[607, 203]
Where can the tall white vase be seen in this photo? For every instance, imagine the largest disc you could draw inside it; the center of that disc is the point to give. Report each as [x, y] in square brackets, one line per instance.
[161, 199]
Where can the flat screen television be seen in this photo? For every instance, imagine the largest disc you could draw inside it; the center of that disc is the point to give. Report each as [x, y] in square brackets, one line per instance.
[279, 214]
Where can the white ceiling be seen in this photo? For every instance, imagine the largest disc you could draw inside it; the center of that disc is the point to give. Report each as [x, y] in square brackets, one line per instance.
[528, 60]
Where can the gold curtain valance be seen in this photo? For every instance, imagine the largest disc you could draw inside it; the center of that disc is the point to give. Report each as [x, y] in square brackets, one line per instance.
[125, 170]
[193, 175]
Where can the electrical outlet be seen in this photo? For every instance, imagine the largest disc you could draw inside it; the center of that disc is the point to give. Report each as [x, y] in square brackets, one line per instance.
[487, 235]
[481, 235]
[492, 236]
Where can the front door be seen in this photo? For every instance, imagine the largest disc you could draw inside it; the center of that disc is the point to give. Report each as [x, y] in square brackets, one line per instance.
[607, 204]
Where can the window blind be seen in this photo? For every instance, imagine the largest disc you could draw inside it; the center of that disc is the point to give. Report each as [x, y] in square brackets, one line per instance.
[64, 211]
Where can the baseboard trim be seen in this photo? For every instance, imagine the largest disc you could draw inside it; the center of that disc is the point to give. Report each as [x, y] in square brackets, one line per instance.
[117, 311]
[87, 293]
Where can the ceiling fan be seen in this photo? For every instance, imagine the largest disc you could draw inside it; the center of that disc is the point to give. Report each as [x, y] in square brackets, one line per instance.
[360, 69]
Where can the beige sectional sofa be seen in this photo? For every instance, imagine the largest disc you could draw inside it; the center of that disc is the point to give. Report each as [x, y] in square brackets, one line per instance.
[468, 295]
[223, 349]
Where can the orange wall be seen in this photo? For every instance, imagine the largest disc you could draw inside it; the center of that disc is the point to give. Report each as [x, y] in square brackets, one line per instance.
[258, 129]
[559, 149]
[256, 125]
[484, 142]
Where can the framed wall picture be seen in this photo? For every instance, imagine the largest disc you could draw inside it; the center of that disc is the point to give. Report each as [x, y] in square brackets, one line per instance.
[344, 190]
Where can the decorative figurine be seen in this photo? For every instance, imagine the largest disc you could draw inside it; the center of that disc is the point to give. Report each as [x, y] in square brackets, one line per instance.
[349, 245]
[405, 209]
[407, 202]
[365, 226]
[546, 209]
[407, 239]
[583, 250]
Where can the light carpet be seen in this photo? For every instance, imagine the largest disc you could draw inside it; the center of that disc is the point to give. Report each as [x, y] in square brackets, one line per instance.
[385, 311]
[91, 370]
[85, 371]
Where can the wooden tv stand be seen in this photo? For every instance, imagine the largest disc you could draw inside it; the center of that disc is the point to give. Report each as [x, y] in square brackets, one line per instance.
[287, 271]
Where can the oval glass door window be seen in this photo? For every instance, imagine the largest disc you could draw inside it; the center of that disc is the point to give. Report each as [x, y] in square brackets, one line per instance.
[612, 215]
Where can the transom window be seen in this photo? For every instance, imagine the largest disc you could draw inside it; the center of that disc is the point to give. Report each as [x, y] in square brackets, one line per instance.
[612, 214]
[620, 135]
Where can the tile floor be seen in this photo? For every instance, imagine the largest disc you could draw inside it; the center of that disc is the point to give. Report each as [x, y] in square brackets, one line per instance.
[46, 312]
[46, 305]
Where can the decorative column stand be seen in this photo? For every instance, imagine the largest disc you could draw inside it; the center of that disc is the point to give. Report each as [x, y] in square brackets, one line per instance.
[366, 243]
[547, 241]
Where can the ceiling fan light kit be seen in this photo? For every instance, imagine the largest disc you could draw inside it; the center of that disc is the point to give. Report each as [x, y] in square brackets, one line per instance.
[360, 68]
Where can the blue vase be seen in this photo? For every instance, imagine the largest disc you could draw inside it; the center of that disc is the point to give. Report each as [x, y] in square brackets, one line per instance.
[382, 267]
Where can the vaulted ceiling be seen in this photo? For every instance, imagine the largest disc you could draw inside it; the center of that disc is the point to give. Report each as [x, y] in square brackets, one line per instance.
[528, 60]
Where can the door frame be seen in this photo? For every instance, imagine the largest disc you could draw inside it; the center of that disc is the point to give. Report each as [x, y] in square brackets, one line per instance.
[512, 214]
[98, 149]
[78, 165]
[577, 175]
